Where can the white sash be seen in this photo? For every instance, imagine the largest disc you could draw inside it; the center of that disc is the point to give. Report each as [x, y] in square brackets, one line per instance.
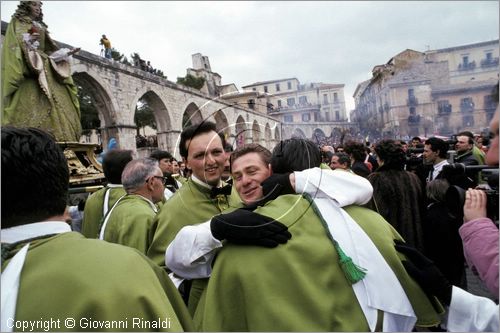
[380, 289]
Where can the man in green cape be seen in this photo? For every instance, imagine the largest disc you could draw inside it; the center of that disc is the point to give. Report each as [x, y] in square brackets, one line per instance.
[130, 221]
[98, 203]
[202, 196]
[58, 280]
[313, 282]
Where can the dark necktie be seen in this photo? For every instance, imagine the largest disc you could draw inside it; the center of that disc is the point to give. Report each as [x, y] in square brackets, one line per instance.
[430, 175]
[215, 191]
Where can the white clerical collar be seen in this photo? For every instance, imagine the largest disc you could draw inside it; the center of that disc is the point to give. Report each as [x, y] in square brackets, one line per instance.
[440, 165]
[31, 230]
[202, 183]
[151, 203]
[110, 185]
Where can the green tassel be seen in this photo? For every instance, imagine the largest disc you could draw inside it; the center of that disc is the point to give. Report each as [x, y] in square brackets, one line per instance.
[352, 272]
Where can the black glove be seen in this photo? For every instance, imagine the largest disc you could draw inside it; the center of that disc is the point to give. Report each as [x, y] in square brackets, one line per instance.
[248, 228]
[427, 275]
[276, 185]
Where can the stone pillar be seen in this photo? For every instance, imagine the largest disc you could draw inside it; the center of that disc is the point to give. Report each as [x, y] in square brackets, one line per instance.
[170, 140]
[123, 134]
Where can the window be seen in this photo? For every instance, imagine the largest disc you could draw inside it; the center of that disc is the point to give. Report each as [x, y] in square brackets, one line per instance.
[277, 87]
[466, 105]
[327, 114]
[251, 104]
[289, 85]
[303, 100]
[265, 89]
[325, 99]
[290, 101]
[279, 103]
[316, 116]
[444, 107]
[306, 117]
[465, 61]
[467, 120]
[335, 98]
[337, 115]
[411, 92]
[288, 119]
[254, 89]
[412, 110]
[489, 56]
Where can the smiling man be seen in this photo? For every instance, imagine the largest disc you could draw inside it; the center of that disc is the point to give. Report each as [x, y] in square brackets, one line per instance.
[200, 198]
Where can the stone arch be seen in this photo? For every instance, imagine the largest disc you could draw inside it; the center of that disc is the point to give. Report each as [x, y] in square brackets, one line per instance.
[221, 123]
[241, 131]
[298, 133]
[268, 136]
[277, 135]
[191, 115]
[318, 136]
[256, 132]
[101, 98]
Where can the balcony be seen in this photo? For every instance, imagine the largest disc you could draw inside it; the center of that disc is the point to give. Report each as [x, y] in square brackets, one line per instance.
[297, 108]
[467, 107]
[412, 101]
[467, 66]
[444, 110]
[489, 62]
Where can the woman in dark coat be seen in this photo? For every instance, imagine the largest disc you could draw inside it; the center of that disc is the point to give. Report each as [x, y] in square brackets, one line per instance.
[397, 194]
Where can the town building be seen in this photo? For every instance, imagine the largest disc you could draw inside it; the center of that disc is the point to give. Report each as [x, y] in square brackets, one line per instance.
[436, 92]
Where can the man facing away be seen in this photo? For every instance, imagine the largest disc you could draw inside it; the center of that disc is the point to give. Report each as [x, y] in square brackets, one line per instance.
[50, 273]
[130, 221]
[307, 284]
[100, 202]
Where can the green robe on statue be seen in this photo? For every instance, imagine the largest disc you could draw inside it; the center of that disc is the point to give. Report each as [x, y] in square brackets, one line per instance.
[190, 205]
[69, 276]
[298, 286]
[93, 212]
[130, 223]
[37, 91]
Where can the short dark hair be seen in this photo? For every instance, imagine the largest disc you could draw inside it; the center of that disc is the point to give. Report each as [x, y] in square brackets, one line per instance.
[295, 154]
[467, 134]
[160, 154]
[35, 176]
[343, 158]
[356, 150]
[192, 131]
[114, 162]
[438, 145]
[263, 152]
[416, 138]
[391, 153]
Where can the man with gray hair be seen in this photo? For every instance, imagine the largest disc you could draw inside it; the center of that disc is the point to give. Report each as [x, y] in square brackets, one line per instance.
[129, 222]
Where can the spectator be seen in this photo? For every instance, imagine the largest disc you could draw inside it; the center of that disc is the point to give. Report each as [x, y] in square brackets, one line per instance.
[443, 244]
[340, 161]
[107, 46]
[398, 194]
[357, 152]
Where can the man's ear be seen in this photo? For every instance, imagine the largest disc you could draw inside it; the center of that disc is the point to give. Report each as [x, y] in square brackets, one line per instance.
[270, 169]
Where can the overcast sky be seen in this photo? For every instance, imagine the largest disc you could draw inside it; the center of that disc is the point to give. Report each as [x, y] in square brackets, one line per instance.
[246, 42]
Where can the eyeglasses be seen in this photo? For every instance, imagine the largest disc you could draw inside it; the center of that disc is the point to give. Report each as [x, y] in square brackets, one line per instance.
[163, 179]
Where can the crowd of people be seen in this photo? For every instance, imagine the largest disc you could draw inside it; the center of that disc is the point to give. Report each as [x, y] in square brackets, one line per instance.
[215, 255]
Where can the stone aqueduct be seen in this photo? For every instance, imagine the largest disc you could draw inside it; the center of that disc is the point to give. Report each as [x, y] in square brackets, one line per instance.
[116, 88]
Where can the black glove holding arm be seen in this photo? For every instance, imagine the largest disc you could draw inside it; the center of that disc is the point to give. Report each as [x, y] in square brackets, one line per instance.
[248, 228]
[423, 270]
